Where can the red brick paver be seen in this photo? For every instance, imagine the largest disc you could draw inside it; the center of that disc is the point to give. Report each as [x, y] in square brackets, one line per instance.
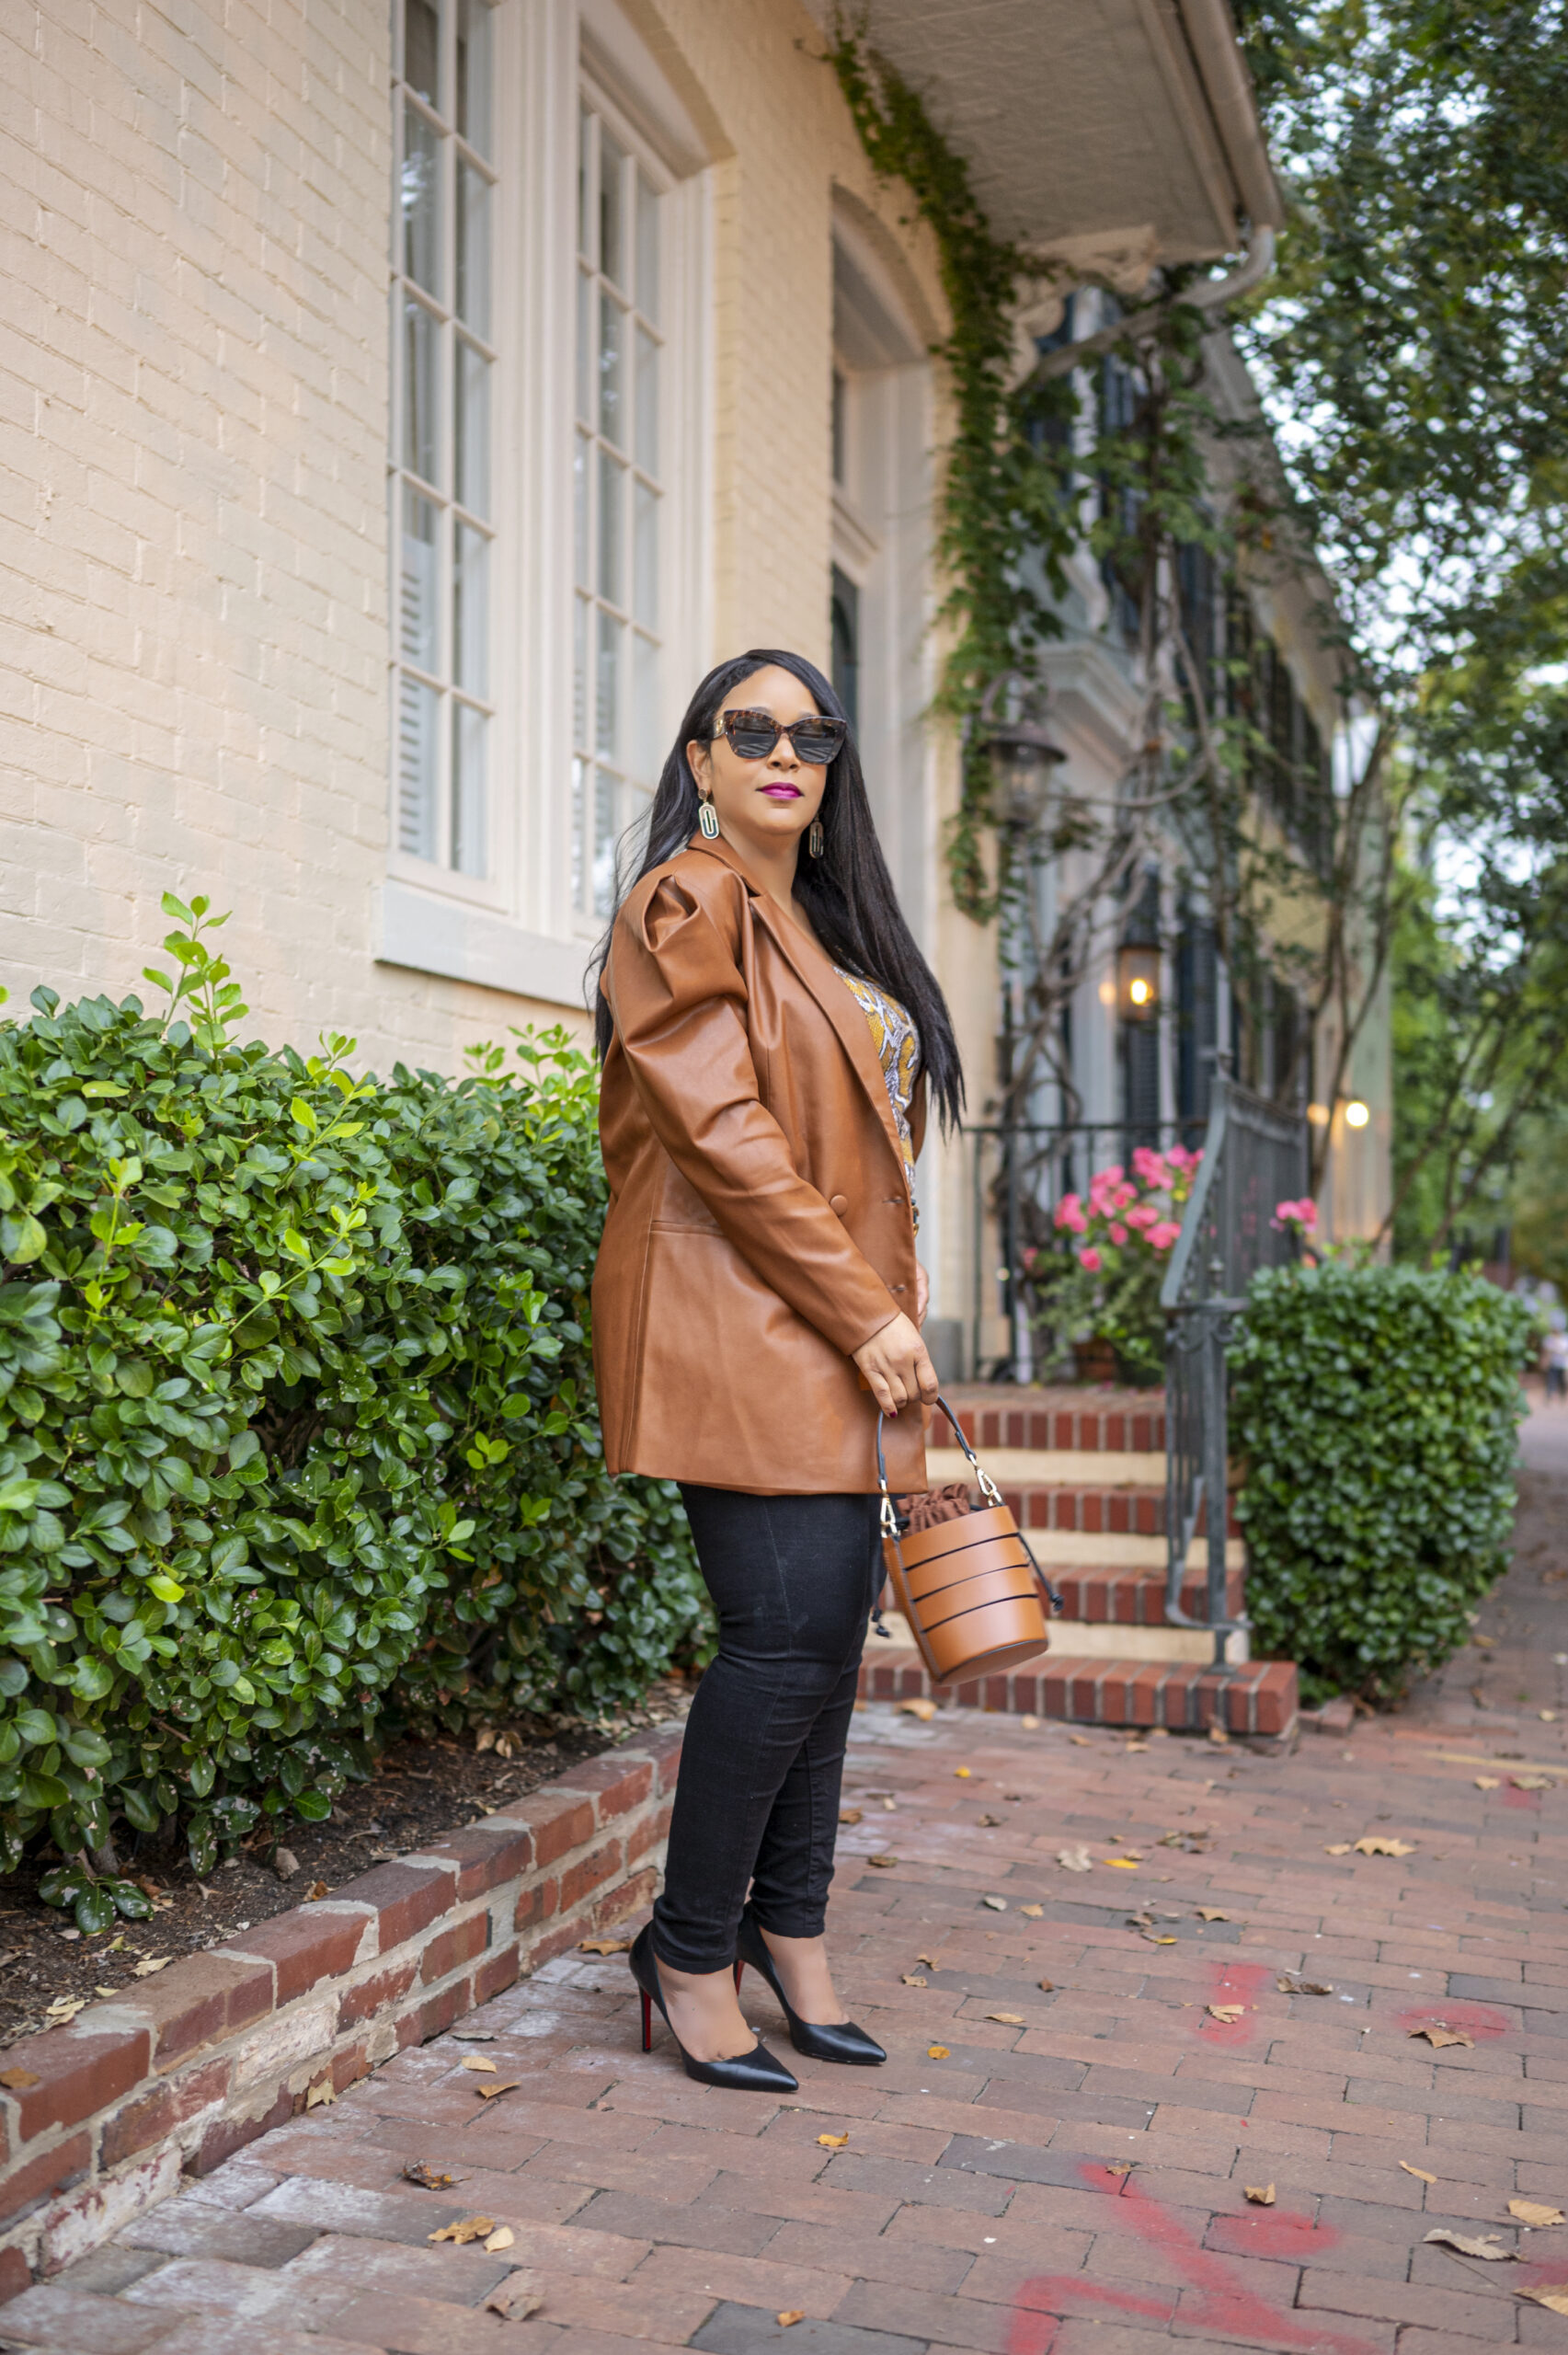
[1056, 2158]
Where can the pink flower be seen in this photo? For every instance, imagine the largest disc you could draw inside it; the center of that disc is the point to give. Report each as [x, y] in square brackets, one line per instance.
[1090, 1259]
[1142, 1215]
[1164, 1234]
[1303, 1215]
[1118, 1232]
[1149, 1166]
[1180, 1159]
[1122, 1195]
[1070, 1213]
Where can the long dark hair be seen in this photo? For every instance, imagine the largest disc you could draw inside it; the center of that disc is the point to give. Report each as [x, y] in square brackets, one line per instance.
[848, 893]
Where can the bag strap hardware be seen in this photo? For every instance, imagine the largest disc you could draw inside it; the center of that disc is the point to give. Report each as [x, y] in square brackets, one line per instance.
[893, 1527]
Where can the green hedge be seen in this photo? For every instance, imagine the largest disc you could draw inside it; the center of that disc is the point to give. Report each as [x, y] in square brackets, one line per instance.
[1373, 1410]
[297, 1433]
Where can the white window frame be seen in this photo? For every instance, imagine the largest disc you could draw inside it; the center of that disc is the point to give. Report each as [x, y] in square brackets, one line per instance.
[518, 932]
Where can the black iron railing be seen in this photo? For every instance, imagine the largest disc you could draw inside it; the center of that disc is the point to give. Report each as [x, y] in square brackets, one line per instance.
[1254, 1157]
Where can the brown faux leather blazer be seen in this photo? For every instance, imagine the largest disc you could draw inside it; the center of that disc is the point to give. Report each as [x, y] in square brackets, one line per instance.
[760, 1227]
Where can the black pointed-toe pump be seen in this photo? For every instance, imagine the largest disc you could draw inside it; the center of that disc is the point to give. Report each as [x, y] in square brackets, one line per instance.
[756, 2072]
[820, 2039]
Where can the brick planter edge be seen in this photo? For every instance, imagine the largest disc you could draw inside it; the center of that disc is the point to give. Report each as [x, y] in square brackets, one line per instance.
[187, 2067]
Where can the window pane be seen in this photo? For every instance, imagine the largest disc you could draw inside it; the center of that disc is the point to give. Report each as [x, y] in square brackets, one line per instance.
[585, 188]
[612, 208]
[644, 557]
[579, 511]
[471, 611]
[473, 249]
[647, 751]
[647, 402]
[612, 397]
[579, 831]
[470, 737]
[607, 687]
[604, 832]
[647, 251]
[417, 582]
[579, 672]
[476, 52]
[421, 201]
[472, 397]
[611, 510]
[422, 49]
[415, 767]
[585, 347]
[419, 334]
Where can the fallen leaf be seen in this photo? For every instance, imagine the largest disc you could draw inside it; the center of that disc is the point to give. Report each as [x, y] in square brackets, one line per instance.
[428, 2178]
[1008, 2019]
[889, 1807]
[1419, 2173]
[1467, 2247]
[1140, 1921]
[1218, 1734]
[932, 1961]
[1488, 1782]
[1548, 2293]
[1303, 1987]
[996, 1904]
[97, 1991]
[1377, 1843]
[937, 2052]
[493, 2093]
[1034, 1912]
[1228, 2013]
[921, 1710]
[1030, 1725]
[1131, 1748]
[315, 1893]
[1484, 1642]
[477, 2060]
[1081, 1739]
[962, 1773]
[1162, 1939]
[1119, 2166]
[990, 1822]
[17, 2081]
[1535, 2213]
[1049, 1986]
[852, 1815]
[1075, 1860]
[832, 2142]
[883, 1864]
[502, 2237]
[604, 1945]
[1260, 2194]
[1547, 1717]
[790, 2317]
[149, 1963]
[1124, 1864]
[1339, 1848]
[1441, 2036]
[1211, 1914]
[466, 2229]
[1533, 1782]
[515, 2298]
[913, 1978]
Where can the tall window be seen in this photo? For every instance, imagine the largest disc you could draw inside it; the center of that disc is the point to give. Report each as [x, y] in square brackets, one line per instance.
[443, 371]
[618, 498]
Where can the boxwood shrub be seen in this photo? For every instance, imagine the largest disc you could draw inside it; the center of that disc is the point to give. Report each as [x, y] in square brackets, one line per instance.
[1373, 1413]
[298, 1443]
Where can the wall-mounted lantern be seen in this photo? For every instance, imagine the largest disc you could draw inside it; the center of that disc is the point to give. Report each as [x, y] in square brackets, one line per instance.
[1356, 1114]
[1020, 750]
[1138, 983]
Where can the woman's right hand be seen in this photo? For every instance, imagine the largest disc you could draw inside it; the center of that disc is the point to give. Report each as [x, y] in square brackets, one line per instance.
[896, 1364]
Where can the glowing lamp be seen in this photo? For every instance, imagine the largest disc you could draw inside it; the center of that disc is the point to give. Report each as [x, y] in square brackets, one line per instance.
[1138, 982]
[1356, 1114]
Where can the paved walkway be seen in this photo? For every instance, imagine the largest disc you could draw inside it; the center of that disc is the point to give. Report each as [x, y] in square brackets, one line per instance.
[1086, 2076]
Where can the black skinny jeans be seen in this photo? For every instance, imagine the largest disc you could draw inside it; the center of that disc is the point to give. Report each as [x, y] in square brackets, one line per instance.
[794, 1579]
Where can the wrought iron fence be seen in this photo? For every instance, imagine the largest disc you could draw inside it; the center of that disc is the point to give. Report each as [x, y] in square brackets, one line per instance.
[1254, 1157]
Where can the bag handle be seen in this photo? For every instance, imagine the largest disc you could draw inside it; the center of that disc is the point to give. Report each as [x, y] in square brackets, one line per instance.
[892, 1527]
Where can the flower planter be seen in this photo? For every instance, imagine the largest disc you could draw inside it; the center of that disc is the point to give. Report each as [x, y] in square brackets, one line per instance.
[1095, 1361]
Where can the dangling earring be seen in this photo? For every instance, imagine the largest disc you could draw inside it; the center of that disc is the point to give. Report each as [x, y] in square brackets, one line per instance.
[707, 819]
[816, 841]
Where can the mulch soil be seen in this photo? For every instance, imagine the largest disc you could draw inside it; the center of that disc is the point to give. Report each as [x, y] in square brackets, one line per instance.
[420, 1791]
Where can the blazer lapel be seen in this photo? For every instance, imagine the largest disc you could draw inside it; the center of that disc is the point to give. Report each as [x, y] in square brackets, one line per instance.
[814, 970]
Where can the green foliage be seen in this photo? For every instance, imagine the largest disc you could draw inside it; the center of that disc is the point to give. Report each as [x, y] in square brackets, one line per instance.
[1373, 1409]
[1099, 1276]
[297, 1431]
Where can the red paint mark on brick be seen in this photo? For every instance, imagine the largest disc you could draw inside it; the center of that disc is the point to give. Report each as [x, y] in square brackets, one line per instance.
[1528, 1800]
[1479, 2020]
[1234, 1982]
[1225, 2306]
[1270, 2232]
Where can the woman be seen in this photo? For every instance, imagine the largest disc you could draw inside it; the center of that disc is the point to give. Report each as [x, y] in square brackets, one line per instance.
[769, 1032]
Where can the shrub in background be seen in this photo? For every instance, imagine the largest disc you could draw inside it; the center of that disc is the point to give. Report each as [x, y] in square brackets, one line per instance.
[1373, 1410]
[298, 1443]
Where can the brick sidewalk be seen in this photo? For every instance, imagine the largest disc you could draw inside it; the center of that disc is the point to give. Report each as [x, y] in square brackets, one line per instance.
[1019, 2192]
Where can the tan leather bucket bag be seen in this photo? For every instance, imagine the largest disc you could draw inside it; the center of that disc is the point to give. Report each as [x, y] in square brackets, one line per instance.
[975, 1597]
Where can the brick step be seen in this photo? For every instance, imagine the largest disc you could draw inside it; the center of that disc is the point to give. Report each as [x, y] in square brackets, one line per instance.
[1130, 1509]
[1133, 1598]
[1185, 1696]
[1115, 1420]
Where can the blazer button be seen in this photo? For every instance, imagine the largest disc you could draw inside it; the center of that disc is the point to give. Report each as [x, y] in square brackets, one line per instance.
[838, 1204]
